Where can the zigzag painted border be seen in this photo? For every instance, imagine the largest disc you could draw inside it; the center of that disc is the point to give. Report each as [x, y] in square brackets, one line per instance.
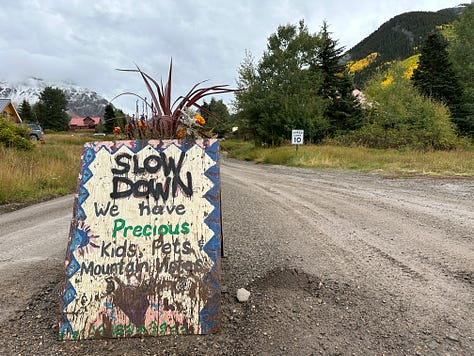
[208, 316]
[73, 266]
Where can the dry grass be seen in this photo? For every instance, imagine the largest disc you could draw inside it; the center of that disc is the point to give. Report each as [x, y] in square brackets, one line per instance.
[49, 170]
[52, 169]
[456, 163]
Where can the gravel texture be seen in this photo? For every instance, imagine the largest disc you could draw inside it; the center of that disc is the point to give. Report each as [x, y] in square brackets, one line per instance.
[337, 263]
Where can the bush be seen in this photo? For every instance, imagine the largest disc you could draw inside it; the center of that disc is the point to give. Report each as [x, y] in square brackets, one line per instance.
[374, 136]
[399, 117]
[14, 135]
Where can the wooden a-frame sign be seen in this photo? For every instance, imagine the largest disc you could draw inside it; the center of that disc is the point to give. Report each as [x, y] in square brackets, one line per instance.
[144, 249]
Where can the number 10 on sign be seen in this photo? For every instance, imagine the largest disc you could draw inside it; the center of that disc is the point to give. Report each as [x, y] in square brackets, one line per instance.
[297, 137]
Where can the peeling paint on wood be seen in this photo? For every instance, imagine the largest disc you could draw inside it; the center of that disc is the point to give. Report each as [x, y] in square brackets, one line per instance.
[143, 255]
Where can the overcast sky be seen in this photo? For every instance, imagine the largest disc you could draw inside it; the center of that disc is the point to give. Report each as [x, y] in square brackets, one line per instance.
[84, 41]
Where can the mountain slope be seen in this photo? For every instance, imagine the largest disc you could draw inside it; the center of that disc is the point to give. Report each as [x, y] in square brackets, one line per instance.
[81, 102]
[397, 39]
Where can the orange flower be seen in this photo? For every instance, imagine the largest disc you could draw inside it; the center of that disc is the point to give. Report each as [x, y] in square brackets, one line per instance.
[199, 119]
[181, 133]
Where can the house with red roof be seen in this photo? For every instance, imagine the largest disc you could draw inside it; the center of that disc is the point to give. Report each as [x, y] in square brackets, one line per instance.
[83, 123]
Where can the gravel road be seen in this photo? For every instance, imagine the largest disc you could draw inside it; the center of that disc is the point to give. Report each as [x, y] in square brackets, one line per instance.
[337, 262]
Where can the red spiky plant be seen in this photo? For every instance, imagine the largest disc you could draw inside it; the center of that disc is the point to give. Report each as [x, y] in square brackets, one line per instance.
[171, 120]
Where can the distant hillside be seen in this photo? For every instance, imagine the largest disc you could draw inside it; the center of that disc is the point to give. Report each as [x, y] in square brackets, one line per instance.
[81, 101]
[397, 39]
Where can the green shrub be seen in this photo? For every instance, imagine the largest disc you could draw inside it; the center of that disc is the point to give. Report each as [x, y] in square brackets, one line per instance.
[399, 117]
[14, 135]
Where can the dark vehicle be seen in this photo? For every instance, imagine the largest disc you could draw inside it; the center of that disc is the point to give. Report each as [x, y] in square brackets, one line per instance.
[36, 132]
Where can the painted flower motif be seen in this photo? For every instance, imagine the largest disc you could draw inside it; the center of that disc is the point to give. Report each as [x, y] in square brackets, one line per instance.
[181, 133]
[85, 237]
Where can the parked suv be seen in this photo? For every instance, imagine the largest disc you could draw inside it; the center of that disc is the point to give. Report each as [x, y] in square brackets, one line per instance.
[36, 132]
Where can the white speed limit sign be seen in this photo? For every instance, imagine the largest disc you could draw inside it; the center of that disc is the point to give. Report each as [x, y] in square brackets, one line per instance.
[297, 137]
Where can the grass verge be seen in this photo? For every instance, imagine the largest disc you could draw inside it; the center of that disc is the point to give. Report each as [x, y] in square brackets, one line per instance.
[46, 171]
[52, 169]
[393, 163]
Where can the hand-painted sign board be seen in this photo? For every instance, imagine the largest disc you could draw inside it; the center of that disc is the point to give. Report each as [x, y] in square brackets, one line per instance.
[144, 249]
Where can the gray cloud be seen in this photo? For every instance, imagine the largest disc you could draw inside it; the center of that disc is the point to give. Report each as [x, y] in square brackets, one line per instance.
[86, 41]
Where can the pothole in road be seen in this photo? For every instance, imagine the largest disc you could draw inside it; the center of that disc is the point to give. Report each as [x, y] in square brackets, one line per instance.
[464, 276]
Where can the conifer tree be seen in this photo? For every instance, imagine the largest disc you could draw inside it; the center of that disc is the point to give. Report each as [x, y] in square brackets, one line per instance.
[51, 109]
[435, 77]
[25, 111]
[109, 118]
[343, 111]
[461, 51]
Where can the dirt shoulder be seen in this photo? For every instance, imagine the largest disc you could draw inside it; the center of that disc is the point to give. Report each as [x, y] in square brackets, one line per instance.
[336, 263]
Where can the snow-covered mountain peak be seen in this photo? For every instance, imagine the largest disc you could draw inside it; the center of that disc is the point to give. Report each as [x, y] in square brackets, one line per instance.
[81, 101]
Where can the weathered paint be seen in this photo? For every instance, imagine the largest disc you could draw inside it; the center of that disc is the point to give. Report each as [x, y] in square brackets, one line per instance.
[144, 264]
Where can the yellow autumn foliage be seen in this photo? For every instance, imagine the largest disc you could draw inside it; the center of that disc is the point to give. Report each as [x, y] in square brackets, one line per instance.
[388, 80]
[408, 65]
[447, 30]
[411, 63]
[362, 63]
